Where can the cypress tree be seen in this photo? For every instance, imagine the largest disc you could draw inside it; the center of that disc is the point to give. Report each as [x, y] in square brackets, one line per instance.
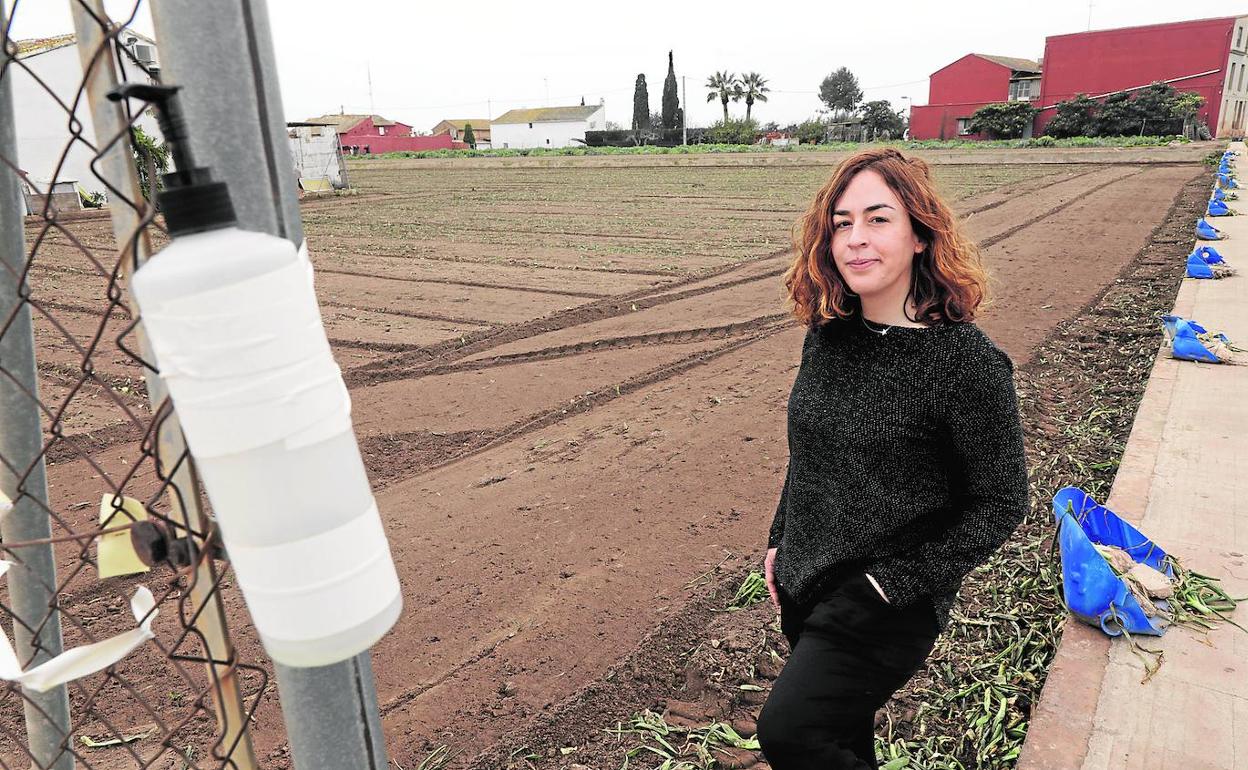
[470, 138]
[641, 105]
[671, 102]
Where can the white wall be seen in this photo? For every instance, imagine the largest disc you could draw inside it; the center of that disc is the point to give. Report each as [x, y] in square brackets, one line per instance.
[1234, 86]
[43, 125]
[518, 136]
[316, 157]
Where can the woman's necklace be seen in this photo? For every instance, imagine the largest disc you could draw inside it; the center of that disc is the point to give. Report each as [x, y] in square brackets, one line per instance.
[877, 331]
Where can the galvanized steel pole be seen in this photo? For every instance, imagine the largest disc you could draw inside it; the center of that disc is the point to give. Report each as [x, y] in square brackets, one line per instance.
[222, 55]
[23, 477]
[116, 166]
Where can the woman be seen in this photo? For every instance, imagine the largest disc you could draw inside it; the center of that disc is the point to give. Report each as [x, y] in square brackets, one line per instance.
[906, 467]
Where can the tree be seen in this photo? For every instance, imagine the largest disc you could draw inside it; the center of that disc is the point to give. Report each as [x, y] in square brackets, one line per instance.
[470, 138]
[725, 87]
[878, 117]
[811, 131]
[1186, 105]
[1154, 104]
[1003, 120]
[840, 92]
[641, 105]
[1074, 117]
[754, 89]
[148, 154]
[671, 102]
[1117, 116]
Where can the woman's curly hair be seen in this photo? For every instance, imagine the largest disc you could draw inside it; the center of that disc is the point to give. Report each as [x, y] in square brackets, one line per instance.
[948, 282]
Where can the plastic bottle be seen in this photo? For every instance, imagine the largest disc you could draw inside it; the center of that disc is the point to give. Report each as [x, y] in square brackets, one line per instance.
[237, 335]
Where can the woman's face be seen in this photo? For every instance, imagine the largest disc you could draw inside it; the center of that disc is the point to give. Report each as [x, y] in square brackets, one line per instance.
[873, 242]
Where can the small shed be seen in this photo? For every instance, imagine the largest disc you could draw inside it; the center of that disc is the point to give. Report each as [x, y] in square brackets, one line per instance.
[317, 155]
[63, 194]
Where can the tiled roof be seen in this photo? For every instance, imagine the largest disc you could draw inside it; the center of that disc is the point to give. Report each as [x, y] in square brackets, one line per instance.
[477, 123]
[42, 44]
[1018, 65]
[546, 114]
[345, 122]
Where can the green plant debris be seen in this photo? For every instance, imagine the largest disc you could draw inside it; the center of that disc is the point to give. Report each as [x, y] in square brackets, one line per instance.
[752, 591]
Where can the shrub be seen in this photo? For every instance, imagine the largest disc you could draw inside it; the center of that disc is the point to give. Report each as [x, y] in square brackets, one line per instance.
[811, 132]
[1003, 120]
[733, 132]
[1073, 118]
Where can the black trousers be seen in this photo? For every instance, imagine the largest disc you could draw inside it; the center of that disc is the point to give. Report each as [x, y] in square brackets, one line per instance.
[851, 651]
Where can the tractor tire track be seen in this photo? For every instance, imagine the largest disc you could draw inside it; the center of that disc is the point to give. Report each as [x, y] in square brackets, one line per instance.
[409, 314]
[471, 284]
[487, 440]
[1016, 229]
[416, 363]
[527, 264]
[1022, 190]
[679, 337]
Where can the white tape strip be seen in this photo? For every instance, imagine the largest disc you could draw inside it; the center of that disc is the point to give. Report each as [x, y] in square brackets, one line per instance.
[80, 661]
[320, 585]
[249, 364]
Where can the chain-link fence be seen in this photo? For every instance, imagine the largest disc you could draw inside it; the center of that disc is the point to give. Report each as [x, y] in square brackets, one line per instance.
[92, 465]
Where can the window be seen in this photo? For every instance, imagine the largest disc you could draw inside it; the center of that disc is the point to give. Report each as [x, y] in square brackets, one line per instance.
[530, 125]
[964, 126]
[547, 141]
[1239, 36]
[1231, 83]
[1240, 87]
[1024, 90]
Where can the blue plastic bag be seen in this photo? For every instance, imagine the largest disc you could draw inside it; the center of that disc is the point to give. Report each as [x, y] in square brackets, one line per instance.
[1093, 592]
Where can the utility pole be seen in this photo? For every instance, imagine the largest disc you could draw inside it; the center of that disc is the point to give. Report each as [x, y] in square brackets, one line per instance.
[684, 112]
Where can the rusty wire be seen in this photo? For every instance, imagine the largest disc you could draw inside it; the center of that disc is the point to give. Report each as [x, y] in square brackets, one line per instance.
[89, 369]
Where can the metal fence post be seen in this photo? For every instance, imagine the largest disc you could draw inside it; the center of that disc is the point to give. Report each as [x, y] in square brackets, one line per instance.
[222, 54]
[117, 168]
[32, 584]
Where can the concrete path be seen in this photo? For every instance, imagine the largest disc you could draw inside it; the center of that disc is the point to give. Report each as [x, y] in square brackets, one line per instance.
[1183, 482]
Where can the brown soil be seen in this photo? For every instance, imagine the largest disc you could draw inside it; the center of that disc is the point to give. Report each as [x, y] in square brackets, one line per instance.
[561, 451]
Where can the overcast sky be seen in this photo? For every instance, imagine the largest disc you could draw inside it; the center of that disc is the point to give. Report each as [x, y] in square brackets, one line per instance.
[430, 61]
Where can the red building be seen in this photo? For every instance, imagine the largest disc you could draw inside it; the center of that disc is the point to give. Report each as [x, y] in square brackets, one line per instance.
[362, 134]
[1207, 56]
[956, 90]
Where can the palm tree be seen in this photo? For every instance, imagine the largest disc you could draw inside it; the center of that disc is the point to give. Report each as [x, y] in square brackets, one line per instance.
[754, 88]
[725, 87]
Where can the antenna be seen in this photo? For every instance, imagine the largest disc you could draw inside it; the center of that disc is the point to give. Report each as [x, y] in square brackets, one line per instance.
[372, 108]
[1089, 15]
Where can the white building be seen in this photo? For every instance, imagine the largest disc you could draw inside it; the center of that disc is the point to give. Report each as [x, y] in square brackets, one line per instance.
[317, 155]
[546, 127]
[43, 125]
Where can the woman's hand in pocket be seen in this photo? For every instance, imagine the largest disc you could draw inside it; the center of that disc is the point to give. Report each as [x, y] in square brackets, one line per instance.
[769, 571]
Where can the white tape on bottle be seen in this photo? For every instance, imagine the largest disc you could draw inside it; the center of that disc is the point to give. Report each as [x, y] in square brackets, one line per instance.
[320, 585]
[260, 373]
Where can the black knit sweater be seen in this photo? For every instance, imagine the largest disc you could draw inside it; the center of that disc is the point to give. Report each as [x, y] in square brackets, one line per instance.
[905, 461]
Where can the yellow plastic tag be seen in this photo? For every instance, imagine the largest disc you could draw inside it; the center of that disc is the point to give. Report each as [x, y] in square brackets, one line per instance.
[114, 553]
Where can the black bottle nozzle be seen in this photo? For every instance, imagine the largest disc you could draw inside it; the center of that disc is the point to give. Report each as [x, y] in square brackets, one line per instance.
[191, 201]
